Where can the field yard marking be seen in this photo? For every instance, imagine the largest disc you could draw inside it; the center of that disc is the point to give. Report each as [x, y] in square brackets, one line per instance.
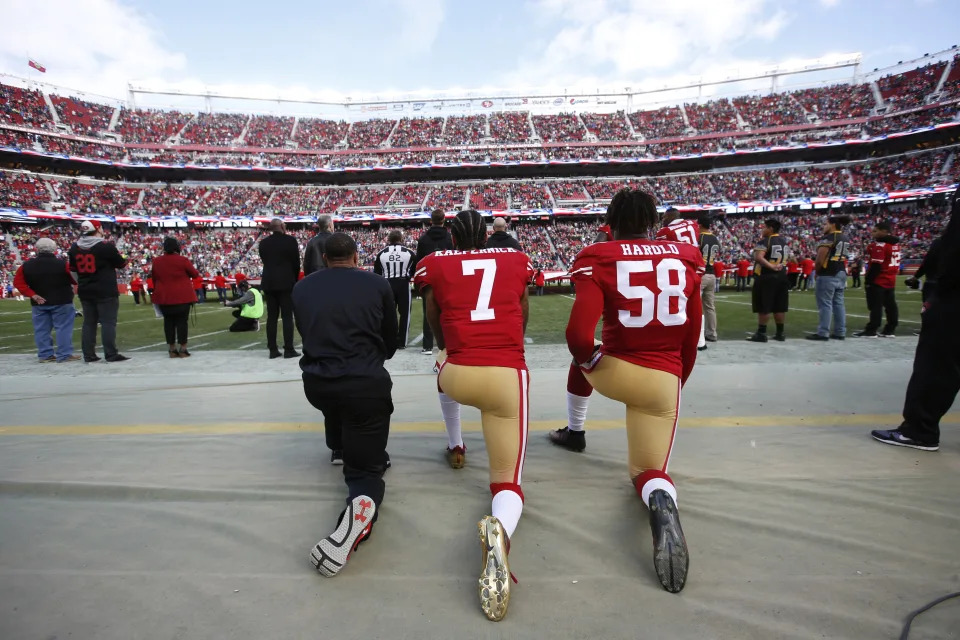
[119, 323]
[416, 340]
[436, 426]
[849, 315]
[252, 344]
[158, 344]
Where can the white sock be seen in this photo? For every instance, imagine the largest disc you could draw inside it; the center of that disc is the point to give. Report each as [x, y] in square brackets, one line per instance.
[451, 420]
[703, 339]
[507, 507]
[576, 411]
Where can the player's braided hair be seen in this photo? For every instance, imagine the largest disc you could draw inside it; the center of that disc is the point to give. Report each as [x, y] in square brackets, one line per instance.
[469, 231]
[632, 213]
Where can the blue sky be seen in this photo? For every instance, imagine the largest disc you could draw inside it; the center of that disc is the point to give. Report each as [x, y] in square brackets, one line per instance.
[383, 46]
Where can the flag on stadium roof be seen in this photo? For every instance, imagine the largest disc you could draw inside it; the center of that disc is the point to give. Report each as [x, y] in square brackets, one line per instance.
[36, 65]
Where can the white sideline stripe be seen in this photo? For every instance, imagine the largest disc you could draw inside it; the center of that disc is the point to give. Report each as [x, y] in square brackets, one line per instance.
[15, 313]
[119, 322]
[849, 315]
[416, 340]
[202, 335]
[252, 344]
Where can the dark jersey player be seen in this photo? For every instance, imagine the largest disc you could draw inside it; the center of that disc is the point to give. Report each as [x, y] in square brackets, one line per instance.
[881, 282]
[771, 289]
[476, 301]
[648, 294]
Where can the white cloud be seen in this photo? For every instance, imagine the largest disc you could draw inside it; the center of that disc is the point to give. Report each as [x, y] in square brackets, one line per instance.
[93, 45]
[620, 39]
[829, 3]
[420, 23]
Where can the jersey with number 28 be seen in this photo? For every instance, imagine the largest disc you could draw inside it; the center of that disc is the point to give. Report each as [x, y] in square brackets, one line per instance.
[479, 295]
[646, 285]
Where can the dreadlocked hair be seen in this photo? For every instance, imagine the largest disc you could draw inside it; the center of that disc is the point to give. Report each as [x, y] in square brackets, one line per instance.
[632, 213]
[469, 230]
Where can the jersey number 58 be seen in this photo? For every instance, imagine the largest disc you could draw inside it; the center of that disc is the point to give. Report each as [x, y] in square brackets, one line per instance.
[653, 304]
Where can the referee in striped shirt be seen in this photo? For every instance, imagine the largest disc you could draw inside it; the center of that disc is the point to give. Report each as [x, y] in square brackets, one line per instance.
[395, 263]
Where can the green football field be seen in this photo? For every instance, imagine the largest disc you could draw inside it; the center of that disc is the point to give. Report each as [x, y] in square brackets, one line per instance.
[140, 330]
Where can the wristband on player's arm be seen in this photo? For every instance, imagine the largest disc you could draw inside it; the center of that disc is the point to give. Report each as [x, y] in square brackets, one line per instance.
[593, 360]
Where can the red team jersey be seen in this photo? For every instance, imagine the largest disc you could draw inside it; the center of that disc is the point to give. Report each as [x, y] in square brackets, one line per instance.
[680, 230]
[887, 255]
[479, 295]
[651, 301]
[605, 229]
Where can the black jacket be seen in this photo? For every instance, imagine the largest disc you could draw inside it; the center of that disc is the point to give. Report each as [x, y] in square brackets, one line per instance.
[930, 267]
[280, 254]
[948, 276]
[433, 240]
[313, 254]
[96, 262]
[348, 323]
[47, 275]
[502, 240]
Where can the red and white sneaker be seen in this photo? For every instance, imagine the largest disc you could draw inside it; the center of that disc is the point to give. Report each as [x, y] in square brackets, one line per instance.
[331, 554]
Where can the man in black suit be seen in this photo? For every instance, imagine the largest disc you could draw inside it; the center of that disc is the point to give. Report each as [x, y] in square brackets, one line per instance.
[280, 254]
[313, 254]
[500, 239]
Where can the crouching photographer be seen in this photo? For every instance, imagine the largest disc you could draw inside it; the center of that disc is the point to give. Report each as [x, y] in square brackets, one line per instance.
[248, 310]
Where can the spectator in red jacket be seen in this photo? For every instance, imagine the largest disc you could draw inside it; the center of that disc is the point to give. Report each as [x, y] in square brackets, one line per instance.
[150, 288]
[806, 270]
[793, 273]
[174, 277]
[540, 280]
[743, 272]
[221, 285]
[719, 269]
[136, 287]
[198, 287]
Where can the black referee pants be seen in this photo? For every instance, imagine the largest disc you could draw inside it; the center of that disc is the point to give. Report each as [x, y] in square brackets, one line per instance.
[402, 297]
[356, 415]
[935, 381]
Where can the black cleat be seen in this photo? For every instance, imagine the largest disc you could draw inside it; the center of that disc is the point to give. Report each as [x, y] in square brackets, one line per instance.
[816, 337]
[670, 556]
[117, 358]
[703, 348]
[836, 337]
[572, 440]
[93, 359]
[757, 337]
[710, 339]
[291, 354]
[275, 354]
[780, 337]
[864, 334]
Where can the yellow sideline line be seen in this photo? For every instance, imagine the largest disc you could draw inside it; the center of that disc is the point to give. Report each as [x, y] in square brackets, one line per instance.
[234, 428]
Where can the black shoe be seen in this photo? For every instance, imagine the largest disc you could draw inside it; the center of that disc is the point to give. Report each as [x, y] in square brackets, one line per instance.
[336, 457]
[710, 339]
[896, 438]
[835, 337]
[780, 337]
[887, 335]
[572, 440]
[670, 556]
[816, 337]
[275, 354]
[93, 359]
[703, 348]
[864, 334]
[757, 337]
[290, 354]
[117, 358]
[389, 464]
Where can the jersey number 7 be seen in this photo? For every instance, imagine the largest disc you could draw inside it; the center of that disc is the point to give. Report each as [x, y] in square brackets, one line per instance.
[488, 270]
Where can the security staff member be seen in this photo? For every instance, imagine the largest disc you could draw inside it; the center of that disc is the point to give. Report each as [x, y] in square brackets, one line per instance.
[347, 321]
[936, 364]
[280, 254]
[436, 238]
[395, 263]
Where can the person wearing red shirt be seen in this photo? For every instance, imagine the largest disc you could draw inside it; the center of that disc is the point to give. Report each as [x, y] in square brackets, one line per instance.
[136, 288]
[720, 269]
[806, 270]
[174, 277]
[676, 229]
[743, 273]
[221, 285]
[199, 288]
[150, 289]
[793, 273]
[238, 277]
[881, 282]
[648, 294]
[477, 306]
[539, 280]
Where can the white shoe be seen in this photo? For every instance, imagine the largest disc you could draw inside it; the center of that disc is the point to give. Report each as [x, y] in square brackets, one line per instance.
[331, 554]
[427, 352]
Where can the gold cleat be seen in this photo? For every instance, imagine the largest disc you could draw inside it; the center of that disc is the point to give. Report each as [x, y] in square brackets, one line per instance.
[457, 457]
[494, 582]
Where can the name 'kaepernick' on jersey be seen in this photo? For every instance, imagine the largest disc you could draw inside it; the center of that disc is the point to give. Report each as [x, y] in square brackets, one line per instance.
[479, 295]
[646, 285]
